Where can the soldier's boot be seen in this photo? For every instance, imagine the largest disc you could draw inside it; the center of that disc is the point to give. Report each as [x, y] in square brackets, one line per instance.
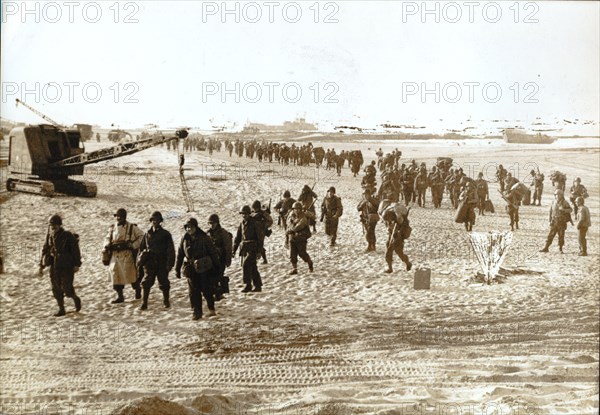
[294, 271]
[120, 298]
[61, 307]
[408, 265]
[545, 248]
[512, 227]
[145, 296]
[197, 313]
[560, 249]
[517, 225]
[389, 269]
[166, 302]
[138, 290]
[247, 288]
[310, 266]
[77, 302]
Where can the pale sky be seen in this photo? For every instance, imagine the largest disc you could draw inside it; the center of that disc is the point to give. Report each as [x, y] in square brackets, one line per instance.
[364, 61]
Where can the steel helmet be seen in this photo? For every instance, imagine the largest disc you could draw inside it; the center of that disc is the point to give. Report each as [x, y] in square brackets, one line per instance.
[55, 220]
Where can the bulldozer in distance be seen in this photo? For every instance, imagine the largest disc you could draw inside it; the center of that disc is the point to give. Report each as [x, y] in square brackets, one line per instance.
[42, 157]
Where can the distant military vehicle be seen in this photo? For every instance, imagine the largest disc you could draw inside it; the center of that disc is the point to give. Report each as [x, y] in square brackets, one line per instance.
[118, 135]
[512, 135]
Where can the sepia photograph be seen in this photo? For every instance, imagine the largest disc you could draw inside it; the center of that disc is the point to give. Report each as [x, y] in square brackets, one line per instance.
[299, 207]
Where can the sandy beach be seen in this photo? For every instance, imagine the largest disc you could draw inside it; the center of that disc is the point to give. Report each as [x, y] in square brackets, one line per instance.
[346, 339]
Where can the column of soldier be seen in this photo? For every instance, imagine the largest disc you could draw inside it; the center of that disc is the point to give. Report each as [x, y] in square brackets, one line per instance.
[138, 258]
[406, 185]
[281, 153]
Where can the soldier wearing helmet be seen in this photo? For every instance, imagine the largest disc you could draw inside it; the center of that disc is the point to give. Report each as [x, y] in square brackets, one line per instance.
[395, 217]
[436, 181]
[158, 251]
[200, 261]
[308, 198]
[469, 200]
[123, 241]
[331, 210]
[283, 207]
[62, 255]
[298, 233]
[560, 214]
[264, 219]
[223, 241]
[577, 190]
[483, 193]
[583, 223]
[501, 173]
[538, 186]
[248, 239]
[369, 217]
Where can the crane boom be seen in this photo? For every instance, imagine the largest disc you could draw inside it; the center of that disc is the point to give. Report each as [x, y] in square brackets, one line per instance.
[120, 150]
[45, 117]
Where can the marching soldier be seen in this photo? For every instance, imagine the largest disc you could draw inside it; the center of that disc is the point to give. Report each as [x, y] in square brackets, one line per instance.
[223, 241]
[437, 187]
[469, 197]
[583, 223]
[513, 201]
[307, 198]
[61, 253]
[248, 239]
[369, 180]
[577, 190]
[123, 241]
[265, 220]
[453, 186]
[538, 185]
[369, 217]
[420, 186]
[201, 265]
[298, 230]
[501, 176]
[331, 210]
[482, 192]
[388, 189]
[408, 183]
[560, 214]
[559, 180]
[157, 257]
[396, 219]
[283, 207]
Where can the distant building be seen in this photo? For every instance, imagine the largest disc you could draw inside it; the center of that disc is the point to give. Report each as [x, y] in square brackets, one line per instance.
[299, 124]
